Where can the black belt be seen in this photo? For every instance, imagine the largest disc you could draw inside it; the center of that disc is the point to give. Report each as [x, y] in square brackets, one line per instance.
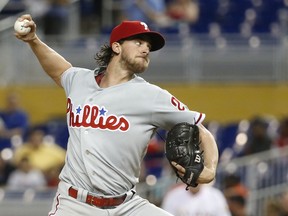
[100, 202]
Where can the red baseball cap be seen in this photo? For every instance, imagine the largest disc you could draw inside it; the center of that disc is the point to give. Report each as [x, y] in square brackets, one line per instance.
[133, 28]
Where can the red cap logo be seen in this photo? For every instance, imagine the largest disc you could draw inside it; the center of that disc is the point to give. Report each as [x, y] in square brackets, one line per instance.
[132, 28]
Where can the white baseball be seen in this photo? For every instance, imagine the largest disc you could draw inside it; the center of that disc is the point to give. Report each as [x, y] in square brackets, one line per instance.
[20, 28]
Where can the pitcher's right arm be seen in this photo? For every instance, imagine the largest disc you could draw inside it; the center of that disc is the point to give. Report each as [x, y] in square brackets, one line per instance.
[52, 62]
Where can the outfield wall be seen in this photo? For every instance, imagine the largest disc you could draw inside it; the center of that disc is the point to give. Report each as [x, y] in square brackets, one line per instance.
[222, 103]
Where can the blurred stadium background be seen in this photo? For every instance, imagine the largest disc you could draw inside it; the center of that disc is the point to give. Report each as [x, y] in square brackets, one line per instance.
[231, 64]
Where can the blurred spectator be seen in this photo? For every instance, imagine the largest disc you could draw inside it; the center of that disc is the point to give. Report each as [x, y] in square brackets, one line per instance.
[6, 168]
[152, 12]
[36, 8]
[56, 18]
[14, 121]
[202, 200]
[284, 202]
[273, 208]
[237, 205]
[282, 139]
[47, 157]
[236, 194]
[232, 185]
[258, 137]
[90, 15]
[25, 177]
[155, 156]
[183, 10]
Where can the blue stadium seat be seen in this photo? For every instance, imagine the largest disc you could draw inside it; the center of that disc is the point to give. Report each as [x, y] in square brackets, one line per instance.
[231, 14]
[227, 136]
[207, 10]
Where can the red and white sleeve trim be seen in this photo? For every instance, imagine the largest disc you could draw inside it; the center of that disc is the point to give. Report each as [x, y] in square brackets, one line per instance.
[199, 118]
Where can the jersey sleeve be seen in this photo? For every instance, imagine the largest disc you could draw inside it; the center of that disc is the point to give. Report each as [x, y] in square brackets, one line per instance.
[168, 111]
[69, 76]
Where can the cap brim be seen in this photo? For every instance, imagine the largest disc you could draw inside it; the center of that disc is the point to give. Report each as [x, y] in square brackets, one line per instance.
[157, 40]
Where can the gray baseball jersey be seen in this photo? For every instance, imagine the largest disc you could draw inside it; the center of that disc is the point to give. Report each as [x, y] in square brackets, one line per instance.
[111, 127]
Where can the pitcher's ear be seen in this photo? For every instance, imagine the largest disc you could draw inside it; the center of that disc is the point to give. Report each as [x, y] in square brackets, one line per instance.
[116, 47]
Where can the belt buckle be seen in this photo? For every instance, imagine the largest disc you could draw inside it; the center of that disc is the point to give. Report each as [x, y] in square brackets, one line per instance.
[92, 200]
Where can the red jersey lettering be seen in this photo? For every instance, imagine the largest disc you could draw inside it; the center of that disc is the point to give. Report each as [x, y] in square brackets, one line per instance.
[94, 117]
[175, 102]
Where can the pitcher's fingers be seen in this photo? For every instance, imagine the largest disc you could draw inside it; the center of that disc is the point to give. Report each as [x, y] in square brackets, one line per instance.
[25, 16]
[178, 167]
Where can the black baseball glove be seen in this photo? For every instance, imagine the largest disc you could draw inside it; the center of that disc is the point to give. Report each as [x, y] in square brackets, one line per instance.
[182, 147]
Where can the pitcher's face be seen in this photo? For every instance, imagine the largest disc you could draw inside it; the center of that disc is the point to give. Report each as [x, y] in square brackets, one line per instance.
[135, 55]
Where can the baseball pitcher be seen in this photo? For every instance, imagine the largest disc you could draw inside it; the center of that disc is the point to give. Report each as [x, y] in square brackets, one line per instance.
[111, 114]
